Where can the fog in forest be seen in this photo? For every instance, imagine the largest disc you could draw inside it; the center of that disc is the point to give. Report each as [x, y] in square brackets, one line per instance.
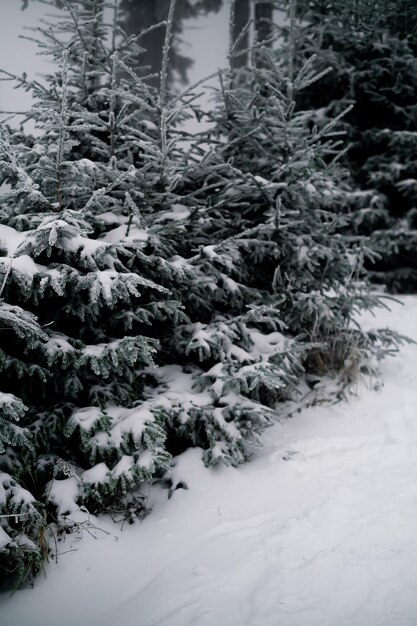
[204, 41]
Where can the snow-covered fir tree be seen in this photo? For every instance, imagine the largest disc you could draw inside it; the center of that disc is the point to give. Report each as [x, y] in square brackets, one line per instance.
[126, 244]
[82, 312]
[280, 286]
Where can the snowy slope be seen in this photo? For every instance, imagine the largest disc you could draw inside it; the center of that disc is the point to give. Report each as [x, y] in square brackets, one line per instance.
[319, 530]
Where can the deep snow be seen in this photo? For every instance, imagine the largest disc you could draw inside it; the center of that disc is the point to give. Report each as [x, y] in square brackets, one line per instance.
[320, 529]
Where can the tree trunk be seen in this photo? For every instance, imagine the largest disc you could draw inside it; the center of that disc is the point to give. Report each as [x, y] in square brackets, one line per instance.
[263, 29]
[242, 17]
[263, 21]
[138, 17]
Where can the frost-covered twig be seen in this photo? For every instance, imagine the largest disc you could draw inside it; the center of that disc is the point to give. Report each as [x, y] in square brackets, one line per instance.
[63, 124]
[163, 127]
[232, 50]
[291, 51]
[232, 14]
[15, 515]
[22, 81]
[114, 26]
[112, 114]
[6, 276]
[165, 53]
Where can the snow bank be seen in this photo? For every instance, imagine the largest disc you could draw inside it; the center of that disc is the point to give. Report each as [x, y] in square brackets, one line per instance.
[319, 529]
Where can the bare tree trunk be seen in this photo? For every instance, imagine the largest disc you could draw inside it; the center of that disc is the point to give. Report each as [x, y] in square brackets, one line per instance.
[242, 16]
[263, 21]
[263, 29]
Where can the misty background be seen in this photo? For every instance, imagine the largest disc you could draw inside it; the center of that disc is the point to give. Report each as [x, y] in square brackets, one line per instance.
[199, 48]
[204, 42]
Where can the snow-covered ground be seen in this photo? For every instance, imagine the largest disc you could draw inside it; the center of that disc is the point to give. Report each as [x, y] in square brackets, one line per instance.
[319, 530]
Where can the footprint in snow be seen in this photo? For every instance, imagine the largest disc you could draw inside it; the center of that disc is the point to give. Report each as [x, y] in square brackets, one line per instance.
[292, 454]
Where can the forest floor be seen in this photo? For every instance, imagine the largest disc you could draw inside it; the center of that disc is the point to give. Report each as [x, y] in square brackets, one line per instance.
[320, 529]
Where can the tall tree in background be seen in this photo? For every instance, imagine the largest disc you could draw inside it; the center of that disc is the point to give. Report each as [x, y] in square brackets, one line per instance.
[146, 19]
[241, 34]
[139, 16]
[263, 14]
[263, 18]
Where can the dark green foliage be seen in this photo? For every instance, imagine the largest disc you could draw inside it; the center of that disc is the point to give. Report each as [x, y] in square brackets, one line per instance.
[398, 17]
[372, 55]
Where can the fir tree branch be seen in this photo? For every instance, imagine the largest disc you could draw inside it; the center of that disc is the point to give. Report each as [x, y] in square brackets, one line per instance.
[63, 124]
[165, 52]
[112, 113]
